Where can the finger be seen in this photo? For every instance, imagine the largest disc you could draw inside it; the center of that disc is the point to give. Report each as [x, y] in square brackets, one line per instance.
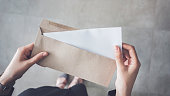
[126, 54]
[131, 50]
[132, 53]
[118, 57]
[29, 46]
[37, 57]
[27, 53]
[23, 49]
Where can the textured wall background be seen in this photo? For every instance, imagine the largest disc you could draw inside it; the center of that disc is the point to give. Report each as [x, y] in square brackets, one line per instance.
[146, 25]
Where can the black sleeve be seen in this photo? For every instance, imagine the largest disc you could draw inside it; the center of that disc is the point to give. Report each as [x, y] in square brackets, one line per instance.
[112, 93]
[8, 92]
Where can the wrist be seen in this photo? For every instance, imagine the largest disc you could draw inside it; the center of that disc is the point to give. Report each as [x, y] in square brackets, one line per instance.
[123, 90]
[4, 80]
[6, 86]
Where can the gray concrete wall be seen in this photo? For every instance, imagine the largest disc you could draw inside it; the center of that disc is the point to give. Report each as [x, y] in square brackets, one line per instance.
[146, 25]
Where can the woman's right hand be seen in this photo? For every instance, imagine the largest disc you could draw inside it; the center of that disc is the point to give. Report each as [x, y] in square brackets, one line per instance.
[127, 69]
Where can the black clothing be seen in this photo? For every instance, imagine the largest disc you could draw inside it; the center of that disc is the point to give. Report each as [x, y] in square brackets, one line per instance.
[77, 90]
[112, 93]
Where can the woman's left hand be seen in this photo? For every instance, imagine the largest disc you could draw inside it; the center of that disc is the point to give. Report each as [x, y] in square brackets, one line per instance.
[20, 63]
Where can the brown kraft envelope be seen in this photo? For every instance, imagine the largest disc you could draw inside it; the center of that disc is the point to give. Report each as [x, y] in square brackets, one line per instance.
[70, 59]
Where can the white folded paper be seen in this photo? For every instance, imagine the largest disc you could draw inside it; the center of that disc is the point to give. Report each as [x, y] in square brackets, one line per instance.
[100, 41]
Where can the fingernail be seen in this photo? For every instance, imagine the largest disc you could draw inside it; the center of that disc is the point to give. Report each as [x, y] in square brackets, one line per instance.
[116, 48]
[45, 54]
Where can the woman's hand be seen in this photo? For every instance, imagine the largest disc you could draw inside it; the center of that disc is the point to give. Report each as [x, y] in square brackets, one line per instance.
[20, 63]
[127, 69]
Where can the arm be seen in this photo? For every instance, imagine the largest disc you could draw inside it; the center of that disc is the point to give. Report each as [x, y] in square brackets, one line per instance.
[127, 69]
[20, 63]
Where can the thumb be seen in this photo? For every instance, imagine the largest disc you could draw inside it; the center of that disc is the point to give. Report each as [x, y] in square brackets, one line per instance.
[37, 57]
[118, 57]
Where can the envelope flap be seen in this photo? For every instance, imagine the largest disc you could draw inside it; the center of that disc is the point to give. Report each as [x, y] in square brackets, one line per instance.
[48, 26]
[45, 27]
